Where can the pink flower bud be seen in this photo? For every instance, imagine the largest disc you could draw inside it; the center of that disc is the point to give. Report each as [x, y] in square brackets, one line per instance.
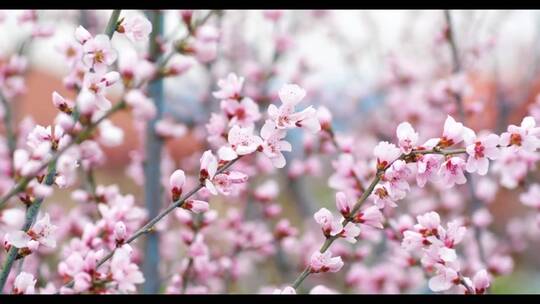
[176, 182]
[196, 206]
[136, 28]
[111, 78]
[344, 205]
[62, 104]
[179, 64]
[208, 165]
[325, 117]
[24, 284]
[120, 232]
[481, 281]
[272, 210]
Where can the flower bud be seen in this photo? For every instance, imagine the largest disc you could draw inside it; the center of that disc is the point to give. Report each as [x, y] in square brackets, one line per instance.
[176, 181]
[196, 206]
[120, 232]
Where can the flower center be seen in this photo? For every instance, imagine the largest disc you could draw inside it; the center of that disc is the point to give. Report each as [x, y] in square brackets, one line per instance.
[515, 139]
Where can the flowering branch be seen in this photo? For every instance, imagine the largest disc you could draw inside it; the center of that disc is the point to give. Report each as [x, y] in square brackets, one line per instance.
[31, 214]
[82, 136]
[149, 227]
[380, 172]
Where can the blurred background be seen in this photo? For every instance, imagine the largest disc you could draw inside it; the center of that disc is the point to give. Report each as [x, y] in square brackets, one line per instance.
[346, 58]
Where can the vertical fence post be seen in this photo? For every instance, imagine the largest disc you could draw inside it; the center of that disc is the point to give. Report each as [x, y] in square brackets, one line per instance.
[152, 165]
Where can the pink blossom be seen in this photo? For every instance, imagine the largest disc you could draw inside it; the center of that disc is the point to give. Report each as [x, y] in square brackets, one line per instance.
[437, 254]
[267, 191]
[82, 35]
[196, 206]
[208, 170]
[371, 216]
[176, 182]
[395, 179]
[178, 65]
[244, 112]
[142, 106]
[136, 28]
[454, 133]
[412, 240]
[385, 153]
[120, 232]
[24, 284]
[92, 95]
[285, 116]
[531, 198]
[407, 137]
[109, 134]
[482, 218]
[224, 182]
[500, 264]
[329, 225]
[324, 262]
[284, 229]
[217, 129]
[446, 278]
[481, 281]
[98, 53]
[42, 233]
[382, 197]
[283, 42]
[242, 142]
[325, 117]
[205, 44]
[168, 128]
[61, 103]
[230, 87]
[320, 289]
[273, 143]
[124, 272]
[525, 136]
[430, 221]
[344, 204]
[71, 51]
[198, 248]
[480, 151]
[451, 172]
[451, 236]
[285, 290]
[426, 166]
[350, 232]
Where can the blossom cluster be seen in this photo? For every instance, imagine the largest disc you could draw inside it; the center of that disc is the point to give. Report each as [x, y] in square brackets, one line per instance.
[414, 186]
